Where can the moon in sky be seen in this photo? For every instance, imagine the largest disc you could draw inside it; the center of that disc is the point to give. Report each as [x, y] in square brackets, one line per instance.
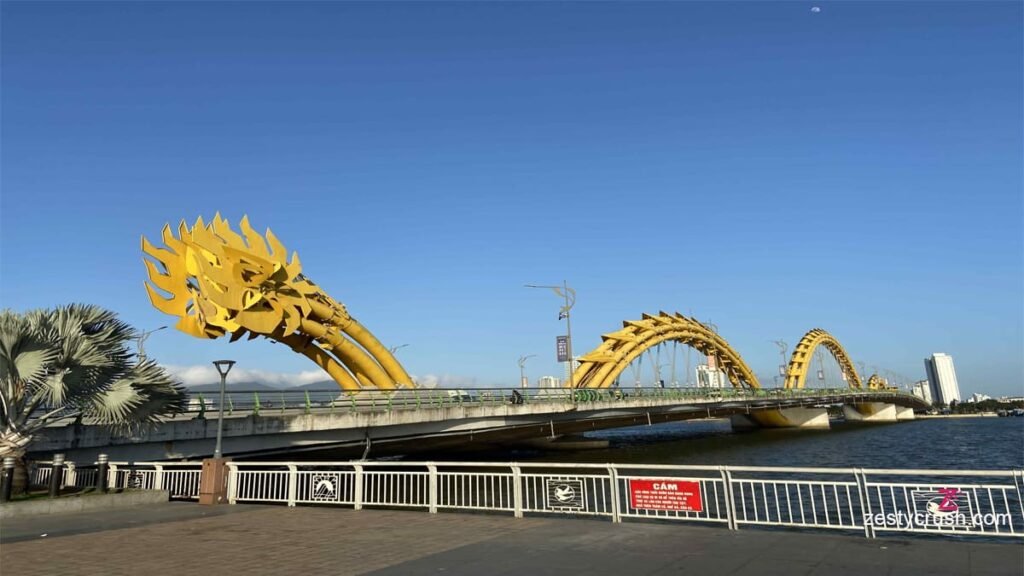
[815, 9]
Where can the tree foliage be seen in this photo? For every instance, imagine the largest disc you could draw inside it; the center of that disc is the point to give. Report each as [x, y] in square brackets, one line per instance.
[74, 361]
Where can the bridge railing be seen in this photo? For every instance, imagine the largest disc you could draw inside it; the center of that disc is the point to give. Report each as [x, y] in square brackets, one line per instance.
[264, 402]
[867, 501]
[987, 503]
[180, 479]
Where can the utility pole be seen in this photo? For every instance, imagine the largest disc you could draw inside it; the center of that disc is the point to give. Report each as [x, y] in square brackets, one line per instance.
[523, 382]
[141, 341]
[782, 354]
[569, 295]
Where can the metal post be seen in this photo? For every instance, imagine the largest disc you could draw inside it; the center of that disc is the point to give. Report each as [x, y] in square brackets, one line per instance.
[56, 475]
[101, 472]
[782, 354]
[613, 479]
[568, 332]
[357, 490]
[293, 483]
[730, 500]
[569, 295]
[141, 340]
[223, 367]
[432, 488]
[8, 479]
[523, 383]
[517, 492]
[865, 501]
[232, 483]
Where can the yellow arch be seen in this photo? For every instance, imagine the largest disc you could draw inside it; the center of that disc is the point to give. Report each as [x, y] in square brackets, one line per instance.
[600, 367]
[220, 282]
[800, 361]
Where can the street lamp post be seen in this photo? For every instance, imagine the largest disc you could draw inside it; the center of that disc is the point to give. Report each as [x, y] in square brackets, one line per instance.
[782, 354]
[570, 299]
[522, 370]
[223, 367]
[141, 340]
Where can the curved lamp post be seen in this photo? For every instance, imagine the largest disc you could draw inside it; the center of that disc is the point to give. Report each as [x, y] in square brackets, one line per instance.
[570, 299]
[141, 340]
[522, 370]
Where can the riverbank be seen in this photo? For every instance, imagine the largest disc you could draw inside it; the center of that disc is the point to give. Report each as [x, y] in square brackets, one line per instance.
[978, 415]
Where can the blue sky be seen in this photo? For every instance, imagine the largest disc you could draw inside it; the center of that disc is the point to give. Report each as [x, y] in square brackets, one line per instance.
[758, 164]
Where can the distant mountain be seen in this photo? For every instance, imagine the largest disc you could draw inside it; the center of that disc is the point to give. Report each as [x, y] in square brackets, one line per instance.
[325, 385]
[232, 387]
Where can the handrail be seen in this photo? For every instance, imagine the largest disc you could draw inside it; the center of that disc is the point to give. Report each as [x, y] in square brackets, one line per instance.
[867, 501]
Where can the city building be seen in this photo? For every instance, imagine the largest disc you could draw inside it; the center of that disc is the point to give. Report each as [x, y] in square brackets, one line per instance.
[708, 377]
[942, 378]
[978, 397]
[549, 382]
[575, 364]
[922, 390]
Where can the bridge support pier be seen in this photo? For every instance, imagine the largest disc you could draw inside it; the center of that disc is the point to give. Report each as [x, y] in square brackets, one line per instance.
[784, 418]
[871, 412]
[904, 413]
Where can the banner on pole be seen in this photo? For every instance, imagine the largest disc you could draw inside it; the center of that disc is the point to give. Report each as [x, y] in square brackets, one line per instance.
[562, 348]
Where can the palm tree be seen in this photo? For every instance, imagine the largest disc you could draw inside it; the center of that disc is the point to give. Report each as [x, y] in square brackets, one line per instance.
[74, 362]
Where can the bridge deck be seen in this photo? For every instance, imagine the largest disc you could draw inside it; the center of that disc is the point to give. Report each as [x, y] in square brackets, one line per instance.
[191, 539]
[402, 426]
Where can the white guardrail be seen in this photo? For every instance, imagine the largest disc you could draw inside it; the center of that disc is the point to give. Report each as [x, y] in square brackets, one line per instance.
[180, 479]
[869, 501]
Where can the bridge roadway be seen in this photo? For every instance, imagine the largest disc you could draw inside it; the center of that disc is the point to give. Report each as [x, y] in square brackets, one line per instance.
[439, 419]
[186, 539]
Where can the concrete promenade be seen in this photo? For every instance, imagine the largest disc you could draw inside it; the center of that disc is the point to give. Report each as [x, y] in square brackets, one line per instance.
[185, 539]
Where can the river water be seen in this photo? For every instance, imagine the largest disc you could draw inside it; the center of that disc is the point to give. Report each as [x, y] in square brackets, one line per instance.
[942, 443]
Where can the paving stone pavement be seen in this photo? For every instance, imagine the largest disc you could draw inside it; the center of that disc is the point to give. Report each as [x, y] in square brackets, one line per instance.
[180, 538]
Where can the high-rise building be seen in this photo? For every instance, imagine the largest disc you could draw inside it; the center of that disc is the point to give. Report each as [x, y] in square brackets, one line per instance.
[942, 378]
[710, 377]
[548, 382]
[923, 391]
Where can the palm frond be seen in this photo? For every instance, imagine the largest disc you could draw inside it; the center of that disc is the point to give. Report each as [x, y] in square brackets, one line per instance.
[76, 359]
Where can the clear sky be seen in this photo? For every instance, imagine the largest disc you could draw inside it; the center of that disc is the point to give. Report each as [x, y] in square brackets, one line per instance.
[764, 166]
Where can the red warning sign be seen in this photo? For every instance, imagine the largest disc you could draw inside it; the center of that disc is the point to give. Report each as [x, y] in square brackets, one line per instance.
[665, 494]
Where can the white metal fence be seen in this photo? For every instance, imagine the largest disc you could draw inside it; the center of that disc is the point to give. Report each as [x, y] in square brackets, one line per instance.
[180, 479]
[984, 503]
[869, 501]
